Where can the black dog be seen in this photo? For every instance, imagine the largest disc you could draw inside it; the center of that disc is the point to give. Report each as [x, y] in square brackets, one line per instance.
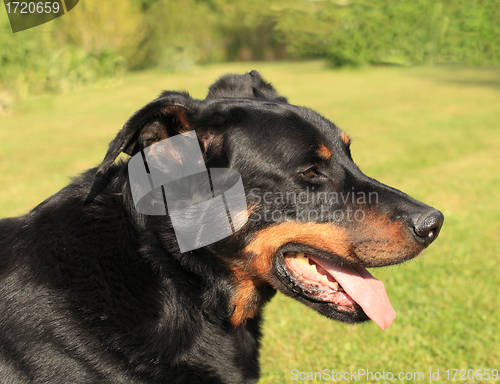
[92, 291]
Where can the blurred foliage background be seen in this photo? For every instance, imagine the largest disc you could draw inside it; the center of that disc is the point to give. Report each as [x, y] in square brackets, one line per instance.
[97, 42]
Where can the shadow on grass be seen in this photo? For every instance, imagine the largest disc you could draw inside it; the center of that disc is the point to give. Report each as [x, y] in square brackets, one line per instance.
[466, 76]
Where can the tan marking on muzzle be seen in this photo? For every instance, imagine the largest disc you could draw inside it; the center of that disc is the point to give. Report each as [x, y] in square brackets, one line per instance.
[255, 270]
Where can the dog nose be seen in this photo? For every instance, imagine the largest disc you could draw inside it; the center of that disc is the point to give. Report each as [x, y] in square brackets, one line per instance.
[428, 225]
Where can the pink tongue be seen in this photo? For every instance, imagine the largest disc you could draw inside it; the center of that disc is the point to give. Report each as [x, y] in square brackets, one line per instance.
[368, 292]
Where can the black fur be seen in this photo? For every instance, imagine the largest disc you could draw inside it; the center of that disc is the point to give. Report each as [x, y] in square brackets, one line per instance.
[93, 292]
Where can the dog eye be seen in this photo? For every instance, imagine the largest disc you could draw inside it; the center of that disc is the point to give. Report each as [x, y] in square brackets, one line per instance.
[312, 174]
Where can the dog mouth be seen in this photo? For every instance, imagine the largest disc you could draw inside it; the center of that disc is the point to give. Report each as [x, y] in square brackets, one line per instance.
[352, 291]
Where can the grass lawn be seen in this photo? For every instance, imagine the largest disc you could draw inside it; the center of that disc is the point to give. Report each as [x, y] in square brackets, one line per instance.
[431, 132]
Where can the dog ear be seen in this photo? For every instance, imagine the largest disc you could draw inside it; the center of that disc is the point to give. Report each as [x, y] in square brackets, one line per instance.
[167, 116]
[250, 85]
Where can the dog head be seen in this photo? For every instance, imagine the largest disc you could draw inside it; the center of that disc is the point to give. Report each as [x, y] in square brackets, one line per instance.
[314, 220]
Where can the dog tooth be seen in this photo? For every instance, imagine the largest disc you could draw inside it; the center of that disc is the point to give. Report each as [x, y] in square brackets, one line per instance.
[334, 285]
[301, 258]
[312, 267]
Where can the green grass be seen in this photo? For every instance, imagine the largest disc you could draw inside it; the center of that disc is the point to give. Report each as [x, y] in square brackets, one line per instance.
[431, 132]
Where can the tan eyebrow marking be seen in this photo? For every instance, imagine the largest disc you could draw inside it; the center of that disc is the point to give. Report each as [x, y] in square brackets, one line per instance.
[324, 152]
[345, 138]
